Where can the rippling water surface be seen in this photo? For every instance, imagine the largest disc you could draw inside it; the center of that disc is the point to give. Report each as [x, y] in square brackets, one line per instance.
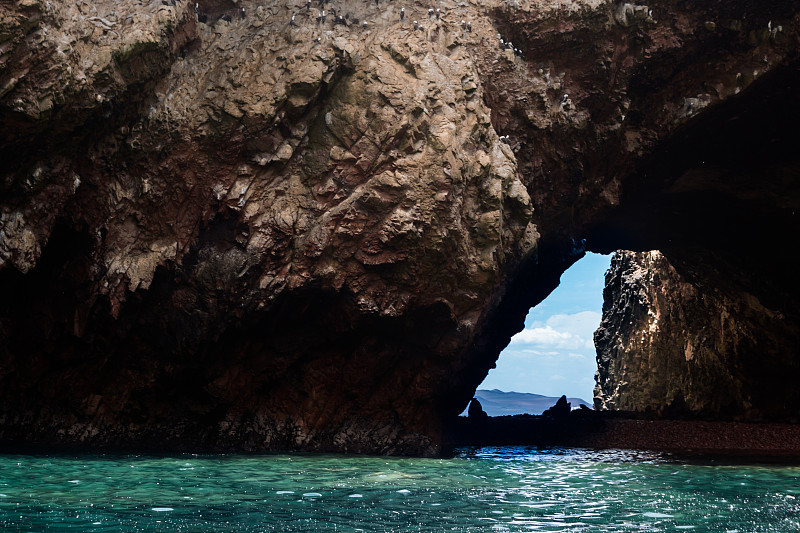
[486, 489]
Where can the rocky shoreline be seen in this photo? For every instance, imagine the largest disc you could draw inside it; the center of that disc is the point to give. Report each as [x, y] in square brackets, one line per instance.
[686, 438]
[586, 429]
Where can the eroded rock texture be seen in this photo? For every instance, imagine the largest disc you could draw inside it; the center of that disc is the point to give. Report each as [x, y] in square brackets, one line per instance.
[667, 347]
[245, 232]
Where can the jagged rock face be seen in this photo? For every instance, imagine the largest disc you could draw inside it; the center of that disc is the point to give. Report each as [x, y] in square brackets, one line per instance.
[238, 232]
[664, 343]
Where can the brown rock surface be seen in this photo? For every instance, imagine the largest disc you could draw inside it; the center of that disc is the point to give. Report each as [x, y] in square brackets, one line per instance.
[231, 234]
[762, 441]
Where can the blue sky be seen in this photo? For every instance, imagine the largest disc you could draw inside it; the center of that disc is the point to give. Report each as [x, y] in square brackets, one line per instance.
[555, 354]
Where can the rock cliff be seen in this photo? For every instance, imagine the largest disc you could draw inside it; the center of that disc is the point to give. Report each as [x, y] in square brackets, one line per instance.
[260, 225]
[666, 347]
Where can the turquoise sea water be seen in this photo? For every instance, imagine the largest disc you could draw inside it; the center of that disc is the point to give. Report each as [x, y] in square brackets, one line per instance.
[486, 489]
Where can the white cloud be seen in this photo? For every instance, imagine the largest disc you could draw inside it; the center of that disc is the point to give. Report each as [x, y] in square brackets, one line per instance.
[561, 332]
[583, 323]
[528, 352]
[546, 335]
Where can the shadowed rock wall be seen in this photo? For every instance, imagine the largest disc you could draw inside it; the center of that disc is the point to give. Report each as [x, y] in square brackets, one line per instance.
[240, 233]
[664, 346]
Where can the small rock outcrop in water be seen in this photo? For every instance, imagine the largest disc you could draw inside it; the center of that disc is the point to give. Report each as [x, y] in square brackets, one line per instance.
[476, 412]
[561, 409]
[240, 233]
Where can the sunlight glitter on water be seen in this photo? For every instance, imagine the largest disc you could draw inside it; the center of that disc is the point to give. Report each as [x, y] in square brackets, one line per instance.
[488, 489]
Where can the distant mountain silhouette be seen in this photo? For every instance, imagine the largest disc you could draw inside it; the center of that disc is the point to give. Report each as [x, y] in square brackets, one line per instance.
[498, 403]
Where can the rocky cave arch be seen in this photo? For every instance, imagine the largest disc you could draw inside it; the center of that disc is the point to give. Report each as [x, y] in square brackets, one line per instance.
[230, 235]
[720, 203]
[708, 324]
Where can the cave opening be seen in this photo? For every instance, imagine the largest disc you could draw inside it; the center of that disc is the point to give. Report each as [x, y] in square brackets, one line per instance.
[709, 322]
[703, 319]
[554, 354]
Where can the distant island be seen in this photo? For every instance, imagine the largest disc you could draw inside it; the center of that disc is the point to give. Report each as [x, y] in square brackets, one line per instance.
[498, 403]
